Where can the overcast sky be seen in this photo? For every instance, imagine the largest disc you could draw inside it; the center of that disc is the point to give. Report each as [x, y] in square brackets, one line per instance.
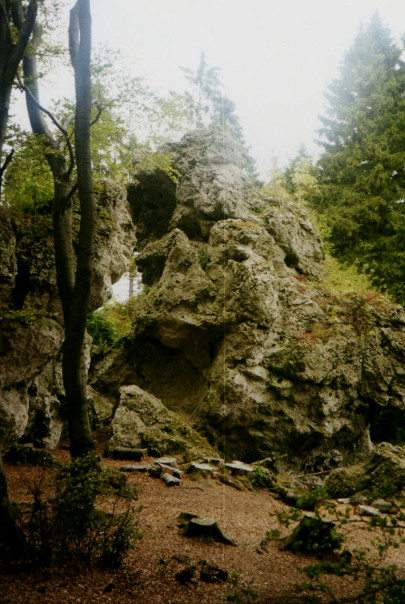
[276, 57]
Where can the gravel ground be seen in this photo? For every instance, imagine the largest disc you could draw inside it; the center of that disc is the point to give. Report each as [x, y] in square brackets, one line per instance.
[148, 574]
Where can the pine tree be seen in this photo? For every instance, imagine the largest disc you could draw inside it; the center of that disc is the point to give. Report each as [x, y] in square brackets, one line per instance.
[361, 174]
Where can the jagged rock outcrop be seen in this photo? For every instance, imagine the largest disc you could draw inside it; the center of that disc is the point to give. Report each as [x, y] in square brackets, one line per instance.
[31, 390]
[234, 334]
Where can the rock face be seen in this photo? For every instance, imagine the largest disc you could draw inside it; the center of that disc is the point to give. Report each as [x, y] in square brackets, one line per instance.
[31, 390]
[234, 334]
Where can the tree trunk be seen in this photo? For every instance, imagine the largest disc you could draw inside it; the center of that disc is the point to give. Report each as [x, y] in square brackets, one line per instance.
[12, 49]
[4, 108]
[75, 377]
[5, 92]
[11, 538]
[73, 282]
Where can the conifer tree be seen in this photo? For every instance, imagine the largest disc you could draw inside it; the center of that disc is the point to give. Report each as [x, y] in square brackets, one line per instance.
[361, 177]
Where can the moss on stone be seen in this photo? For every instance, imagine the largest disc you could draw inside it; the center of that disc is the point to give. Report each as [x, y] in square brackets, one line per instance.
[344, 482]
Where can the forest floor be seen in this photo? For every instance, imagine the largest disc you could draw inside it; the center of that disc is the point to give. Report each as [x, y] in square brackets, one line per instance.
[148, 574]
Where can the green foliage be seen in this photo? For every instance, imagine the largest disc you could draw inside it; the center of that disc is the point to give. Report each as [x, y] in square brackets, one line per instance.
[121, 315]
[102, 329]
[262, 478]
[70, 525]
[311, 498]
[313, 535]
[344, 278]
[203, 259]
[300, 177]
[147, 161]
[28, 316]
[360, 188]
[377, 582]
[28, 185]
[277, 185]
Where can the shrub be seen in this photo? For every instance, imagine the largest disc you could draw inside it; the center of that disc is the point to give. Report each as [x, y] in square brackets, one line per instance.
[102, 330]
[70, 524]
[377, 582]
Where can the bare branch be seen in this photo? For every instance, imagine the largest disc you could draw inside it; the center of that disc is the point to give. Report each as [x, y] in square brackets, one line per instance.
[54, 121]
[100, 109]
[24, 22]
[3, 168]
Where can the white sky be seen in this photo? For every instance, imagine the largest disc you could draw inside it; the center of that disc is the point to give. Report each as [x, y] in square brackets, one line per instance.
[276, 57]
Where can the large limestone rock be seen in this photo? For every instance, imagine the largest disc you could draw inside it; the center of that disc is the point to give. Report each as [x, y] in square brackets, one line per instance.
[29, 343]
[141, 420]
[31, 389]
[232, 331]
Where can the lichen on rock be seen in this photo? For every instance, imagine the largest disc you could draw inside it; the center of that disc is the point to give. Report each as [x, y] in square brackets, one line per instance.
[235, 334]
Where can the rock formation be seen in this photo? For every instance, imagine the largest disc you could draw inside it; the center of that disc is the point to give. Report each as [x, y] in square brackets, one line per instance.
[233, 332]
[31, 335]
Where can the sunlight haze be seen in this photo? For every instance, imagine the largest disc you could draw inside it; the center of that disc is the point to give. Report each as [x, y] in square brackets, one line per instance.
[275, 58]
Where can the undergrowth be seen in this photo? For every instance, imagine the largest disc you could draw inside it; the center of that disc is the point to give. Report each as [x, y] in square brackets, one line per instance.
[368, 569]
[77, 514]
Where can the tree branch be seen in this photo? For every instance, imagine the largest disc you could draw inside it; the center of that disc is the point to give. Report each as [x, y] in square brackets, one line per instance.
[3, 168]
[54, 121]
[24, 22]
[100, 109]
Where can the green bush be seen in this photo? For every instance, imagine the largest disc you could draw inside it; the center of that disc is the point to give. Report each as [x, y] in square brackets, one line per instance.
[102, 330]
[262, 478]
[70, 524]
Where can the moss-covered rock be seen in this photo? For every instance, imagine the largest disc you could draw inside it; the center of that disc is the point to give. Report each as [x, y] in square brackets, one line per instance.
[141, 420]
[344, 482]
[382, 475]
[385, 470]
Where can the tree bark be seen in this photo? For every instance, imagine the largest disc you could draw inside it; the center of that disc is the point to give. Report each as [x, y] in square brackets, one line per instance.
[11, 538]
[11, 54]
[75, 376]
[73, 272]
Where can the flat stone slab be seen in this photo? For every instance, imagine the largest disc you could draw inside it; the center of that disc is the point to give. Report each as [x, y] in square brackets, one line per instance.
[200, 467]
[366, 510]
[214, 461]
[167, 461]
[238, 467]
[170, 469]
[385, 507]
[133, 468]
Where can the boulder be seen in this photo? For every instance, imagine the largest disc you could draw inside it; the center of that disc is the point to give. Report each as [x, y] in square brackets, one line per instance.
[381, 475]
[29, 343]
[142, 421]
